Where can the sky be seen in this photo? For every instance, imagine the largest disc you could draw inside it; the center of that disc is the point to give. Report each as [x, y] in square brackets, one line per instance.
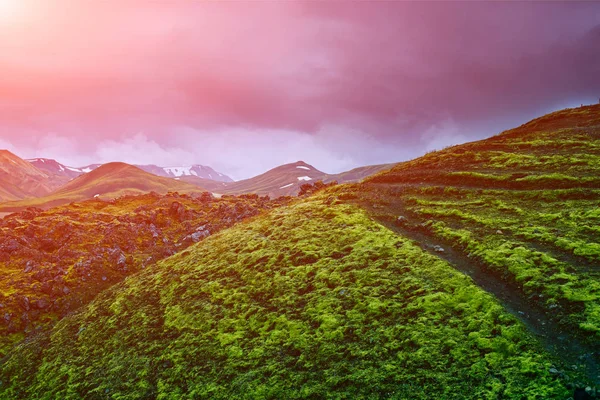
[244, 86]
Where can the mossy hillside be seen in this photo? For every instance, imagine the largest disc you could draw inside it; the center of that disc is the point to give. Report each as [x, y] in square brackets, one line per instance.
[550, 249]
[313, 300]
[545, 243]
[559, 150]
[523, 203]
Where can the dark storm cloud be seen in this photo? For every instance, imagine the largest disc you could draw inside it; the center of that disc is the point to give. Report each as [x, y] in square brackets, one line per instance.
[398, 78]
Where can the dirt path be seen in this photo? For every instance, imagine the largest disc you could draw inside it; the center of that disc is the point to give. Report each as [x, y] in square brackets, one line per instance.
[567, 348]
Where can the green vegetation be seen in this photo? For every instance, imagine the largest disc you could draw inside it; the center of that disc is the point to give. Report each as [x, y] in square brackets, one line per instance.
[523, 204]
[313, 300]
[550, 249]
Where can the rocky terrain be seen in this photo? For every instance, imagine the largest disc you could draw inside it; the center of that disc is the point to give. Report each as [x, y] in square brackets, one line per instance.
[55, 261]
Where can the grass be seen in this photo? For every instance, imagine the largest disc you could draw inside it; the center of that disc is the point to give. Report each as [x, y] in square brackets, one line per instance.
[523, 203]
[312, 300]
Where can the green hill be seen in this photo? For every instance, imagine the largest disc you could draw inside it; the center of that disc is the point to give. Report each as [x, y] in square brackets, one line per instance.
[523, 204]
[312, 301]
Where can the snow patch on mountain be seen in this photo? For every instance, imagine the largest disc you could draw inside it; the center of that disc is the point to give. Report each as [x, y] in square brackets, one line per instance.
[180, 171]
[304, 178]
[200, 171]
[303, 167]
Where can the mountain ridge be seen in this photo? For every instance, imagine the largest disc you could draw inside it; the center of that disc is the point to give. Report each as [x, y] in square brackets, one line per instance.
[20, 179]
[107, 181]
[201, 171]
[286, 179]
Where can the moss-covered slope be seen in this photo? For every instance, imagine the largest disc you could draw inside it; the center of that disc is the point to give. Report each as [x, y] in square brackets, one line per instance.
[523, 204]
[314, 300]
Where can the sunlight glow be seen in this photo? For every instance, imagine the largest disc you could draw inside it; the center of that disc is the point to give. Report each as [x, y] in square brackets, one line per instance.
[9, 9]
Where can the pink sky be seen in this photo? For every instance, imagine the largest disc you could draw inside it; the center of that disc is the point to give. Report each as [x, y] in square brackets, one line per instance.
[245, 86]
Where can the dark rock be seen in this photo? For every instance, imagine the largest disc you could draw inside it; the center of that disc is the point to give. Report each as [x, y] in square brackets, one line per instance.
[46, 288]
[48, 245]
[581, 394]
[178, 211]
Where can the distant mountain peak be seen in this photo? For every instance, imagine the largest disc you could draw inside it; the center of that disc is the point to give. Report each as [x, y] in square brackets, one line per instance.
[20, 179]
[53, 167]
[201, 171]
[197, 170]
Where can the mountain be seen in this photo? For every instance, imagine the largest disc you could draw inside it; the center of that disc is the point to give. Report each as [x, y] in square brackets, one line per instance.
[106, 182]
[20, 179]
[284, 180]
[196, 170]
[357, 174]
[53, 167]
[468, 273]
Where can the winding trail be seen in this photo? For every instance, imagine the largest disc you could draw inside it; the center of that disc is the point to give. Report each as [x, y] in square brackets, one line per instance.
[560, 342]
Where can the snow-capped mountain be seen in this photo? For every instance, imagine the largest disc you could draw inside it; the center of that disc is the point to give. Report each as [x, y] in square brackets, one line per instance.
[287, 179]
[280, 181]
[200, 171]
[53, 167]
[20, 179]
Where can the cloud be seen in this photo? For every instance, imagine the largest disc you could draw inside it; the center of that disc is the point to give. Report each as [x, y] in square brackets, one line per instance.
[141, 150]
[240, 153]
[342, 86]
